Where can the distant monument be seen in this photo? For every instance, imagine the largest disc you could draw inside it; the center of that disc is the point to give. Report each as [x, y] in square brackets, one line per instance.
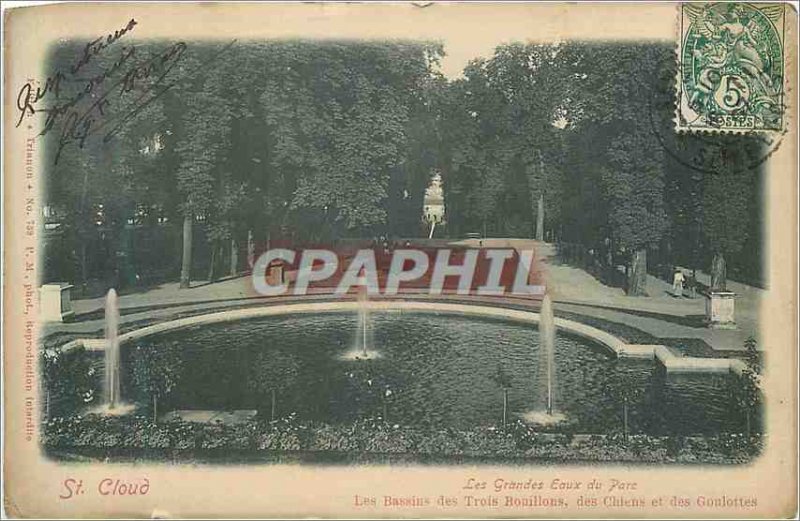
[433, 205]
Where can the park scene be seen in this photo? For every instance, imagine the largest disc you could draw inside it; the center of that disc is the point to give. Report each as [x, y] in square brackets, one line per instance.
[623, 325]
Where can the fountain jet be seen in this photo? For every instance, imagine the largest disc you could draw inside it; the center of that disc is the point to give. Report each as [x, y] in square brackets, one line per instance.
[547, 338]
[112, 397]
[362, 349]
[544, 412]
[112, 387]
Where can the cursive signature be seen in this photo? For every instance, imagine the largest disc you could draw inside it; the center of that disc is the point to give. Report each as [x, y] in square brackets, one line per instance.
[104, 102]
[28, 97]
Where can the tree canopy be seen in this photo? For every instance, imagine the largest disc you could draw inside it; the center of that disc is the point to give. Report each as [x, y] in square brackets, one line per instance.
[317, 140]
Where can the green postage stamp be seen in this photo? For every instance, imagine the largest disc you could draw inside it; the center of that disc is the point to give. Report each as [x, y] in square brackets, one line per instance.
[731, 67]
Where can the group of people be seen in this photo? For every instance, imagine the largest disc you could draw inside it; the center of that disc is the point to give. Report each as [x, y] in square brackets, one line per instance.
[388, 246]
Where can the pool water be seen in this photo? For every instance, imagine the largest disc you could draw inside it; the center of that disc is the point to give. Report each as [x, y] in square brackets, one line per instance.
[432, 370]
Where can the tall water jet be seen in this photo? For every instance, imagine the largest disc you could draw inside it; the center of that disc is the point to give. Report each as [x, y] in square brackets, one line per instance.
[362, 347]
[547, 339]
[112, 387]
[544, 411]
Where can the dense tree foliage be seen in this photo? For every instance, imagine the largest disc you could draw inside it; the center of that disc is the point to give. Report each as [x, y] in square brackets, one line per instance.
[310, 140]
[314, 141]
[588, 130]
[501, 149]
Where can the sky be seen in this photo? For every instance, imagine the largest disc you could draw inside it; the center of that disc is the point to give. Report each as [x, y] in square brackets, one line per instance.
[467, 30]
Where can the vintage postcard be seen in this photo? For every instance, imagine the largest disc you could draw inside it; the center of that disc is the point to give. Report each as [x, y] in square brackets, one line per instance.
[403, 260]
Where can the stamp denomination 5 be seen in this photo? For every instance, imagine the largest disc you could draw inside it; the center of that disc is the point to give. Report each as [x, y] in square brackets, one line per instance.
[731, 70]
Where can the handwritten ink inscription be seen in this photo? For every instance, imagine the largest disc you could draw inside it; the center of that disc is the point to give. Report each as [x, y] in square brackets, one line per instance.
[80, 104]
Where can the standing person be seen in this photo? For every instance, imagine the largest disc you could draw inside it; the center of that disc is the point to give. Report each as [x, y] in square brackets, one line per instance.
[691, 282]
[677, 282]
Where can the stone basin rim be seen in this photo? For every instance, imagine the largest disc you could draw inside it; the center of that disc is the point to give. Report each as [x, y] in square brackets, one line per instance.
[612, 344]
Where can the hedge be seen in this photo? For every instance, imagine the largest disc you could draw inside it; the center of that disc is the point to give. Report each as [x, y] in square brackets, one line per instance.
[129, 434]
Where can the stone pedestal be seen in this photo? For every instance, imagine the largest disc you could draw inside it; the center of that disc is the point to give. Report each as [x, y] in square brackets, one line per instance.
[56, 301]
[720, 310]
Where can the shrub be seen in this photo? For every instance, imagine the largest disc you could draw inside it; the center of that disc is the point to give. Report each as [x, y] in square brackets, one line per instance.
[69, 381]
[289, 435]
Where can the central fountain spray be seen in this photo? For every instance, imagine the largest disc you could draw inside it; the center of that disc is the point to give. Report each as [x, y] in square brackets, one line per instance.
[544, 406]
[362, 349]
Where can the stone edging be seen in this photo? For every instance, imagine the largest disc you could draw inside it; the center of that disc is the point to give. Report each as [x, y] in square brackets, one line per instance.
[671, 362]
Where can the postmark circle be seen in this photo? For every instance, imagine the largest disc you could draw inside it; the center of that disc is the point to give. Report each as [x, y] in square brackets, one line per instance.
[662, 102]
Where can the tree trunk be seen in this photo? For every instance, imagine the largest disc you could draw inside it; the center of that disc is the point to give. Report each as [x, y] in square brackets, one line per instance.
[272, 413]
[637, 278]
[186, 262]
[718, 273]
[212, 271]
[234, 257]
[540, 219]
[220, 265]
[251, 250]
[155, 409]
[47, 406]
[81, 209]
[84, 270]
